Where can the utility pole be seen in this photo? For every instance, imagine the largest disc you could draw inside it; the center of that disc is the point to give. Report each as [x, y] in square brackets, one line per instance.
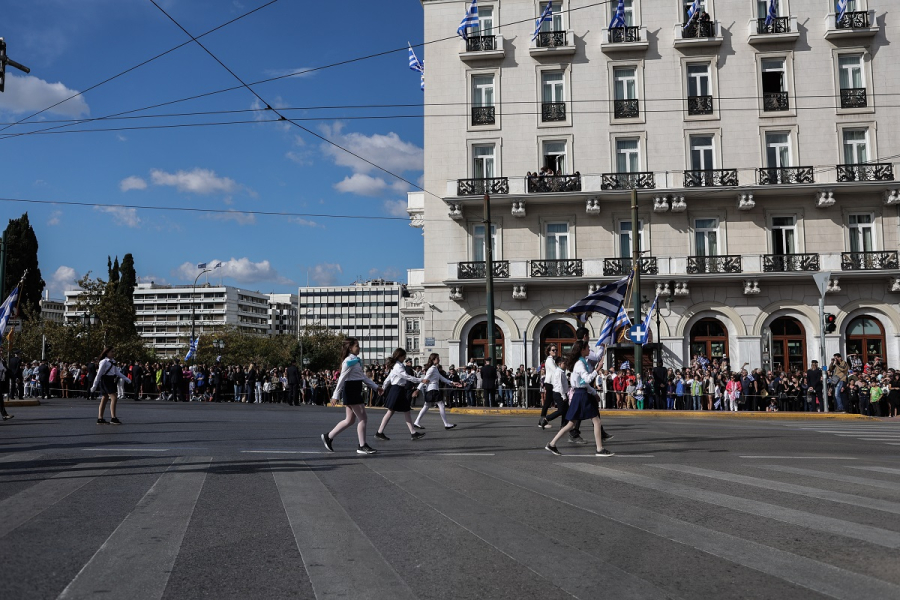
[489, 275]
[2, 266]
[636, 282]
[5, 60]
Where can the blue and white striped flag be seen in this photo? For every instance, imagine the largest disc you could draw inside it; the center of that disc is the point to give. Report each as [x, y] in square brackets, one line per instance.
[414, 63]
[7, 309]
[773, 12]
[618, 19]
[841, 9]
[201, 266]
[218, 265]
[606, 301]
[470, 21]
[192, 349]
[645, 333]
[546, 17]
[693, 11]
[611, 326]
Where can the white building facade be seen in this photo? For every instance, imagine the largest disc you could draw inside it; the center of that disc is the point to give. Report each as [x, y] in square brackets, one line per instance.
[52, 309]
[283, 314]
[762, 154]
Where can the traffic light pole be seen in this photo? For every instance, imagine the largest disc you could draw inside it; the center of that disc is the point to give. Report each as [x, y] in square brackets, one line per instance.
[822, 280]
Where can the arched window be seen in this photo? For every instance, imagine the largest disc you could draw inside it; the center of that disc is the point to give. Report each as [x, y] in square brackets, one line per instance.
[788, 344]
[478, 344]
[561, 335]
[865, 340]
[709, 338]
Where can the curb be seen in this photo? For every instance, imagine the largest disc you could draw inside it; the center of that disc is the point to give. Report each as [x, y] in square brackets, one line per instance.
[18, 403]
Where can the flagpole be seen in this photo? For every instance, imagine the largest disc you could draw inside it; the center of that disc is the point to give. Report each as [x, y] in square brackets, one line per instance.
[489, 275]
[636, 285]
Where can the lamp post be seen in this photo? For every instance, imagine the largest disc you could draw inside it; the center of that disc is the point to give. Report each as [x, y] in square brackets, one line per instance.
[194, 299]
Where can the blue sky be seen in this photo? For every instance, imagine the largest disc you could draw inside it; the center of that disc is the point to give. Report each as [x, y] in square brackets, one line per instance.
[71, 46]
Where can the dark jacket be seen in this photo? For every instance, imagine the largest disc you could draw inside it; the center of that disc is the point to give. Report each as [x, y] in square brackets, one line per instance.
[814, 378]
[293, 375]
[43, 373]
[175, 374]
[489, 377]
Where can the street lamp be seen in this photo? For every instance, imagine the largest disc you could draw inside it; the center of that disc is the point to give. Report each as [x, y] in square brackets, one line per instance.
[91, 320]
[194, 299]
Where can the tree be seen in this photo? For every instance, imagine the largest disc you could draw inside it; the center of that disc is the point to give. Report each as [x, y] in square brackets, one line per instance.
[128, 277]
[320, 348]
[22, 254]
[113, 269]
[115, 316]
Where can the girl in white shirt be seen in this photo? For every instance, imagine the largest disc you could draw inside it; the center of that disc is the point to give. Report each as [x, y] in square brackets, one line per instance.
[550, 370]
[349, 384]
[106, 381]
[397, 400]
[433, 380]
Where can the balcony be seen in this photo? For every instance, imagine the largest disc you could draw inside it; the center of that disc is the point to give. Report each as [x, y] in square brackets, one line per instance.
[788, 263]
[697, 33]
[776, 101]
[483, 115]
[781, 29]
[867, 172]
[626, 109]
[553, 111]
[478, 270]
[700, 105]
[619, 267]
[869, 261]
[624, 39]
[857, 24]
[482, 47]
[543, 184]
[711, 178]
[553, 43]
[854, 98]
[714, 264]
[628, 181]
[480, 187]
[556, 268]
[785, 175]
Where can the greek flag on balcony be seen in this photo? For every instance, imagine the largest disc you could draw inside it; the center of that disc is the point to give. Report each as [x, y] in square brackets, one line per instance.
[470, 21]
[841, 9]
[546, 17]
[417, 65]
[647, 319]
[618, 19]
[693, 11]
[606, 301]
[773, 12]
[7, 309]
[192, 349]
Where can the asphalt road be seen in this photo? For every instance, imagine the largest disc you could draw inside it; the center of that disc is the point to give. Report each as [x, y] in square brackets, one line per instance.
[243, 501]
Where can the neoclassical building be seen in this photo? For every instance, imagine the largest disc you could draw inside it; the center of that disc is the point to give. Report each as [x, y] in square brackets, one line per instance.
[762, 154]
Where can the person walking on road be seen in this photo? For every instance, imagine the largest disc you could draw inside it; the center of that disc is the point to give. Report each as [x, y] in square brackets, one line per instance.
[349, 387]
[4, 387]
[433, 379]
[397, 400]
[106, 382]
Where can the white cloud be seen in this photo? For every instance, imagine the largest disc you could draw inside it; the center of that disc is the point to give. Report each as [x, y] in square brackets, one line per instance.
[132, 183]
[396, 208]
[304, 222]
[242, 270]
[54, 218]
[63, 279]
[122, 215]
[325, 273]
[301, 158]
[362, 184]
[196, 181]
[387, 151]
[27, 94]
[241, 218]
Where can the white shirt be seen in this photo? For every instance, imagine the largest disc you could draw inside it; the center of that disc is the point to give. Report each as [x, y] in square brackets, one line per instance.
[560, 382]
[398, 375]
[582, 377]
[434, 377]
[550, 370]
[107, 367]
[351, 370]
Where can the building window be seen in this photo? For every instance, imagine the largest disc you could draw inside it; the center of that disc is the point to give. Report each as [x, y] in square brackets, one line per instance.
[479, 344]
[856, 146]
[709, 339]
[553, 96]
[485, 21]
[628, 155]
[557, 20]
[784, 235]
[483, 161]
[778, 150]
[686, 7]
[702, 153]
[774, 85]
[554, 156]
[700, 99]
[557, 241]
[788, 344]
[625, 246]
[478, 248]
[865, 341]
[412, 344]
[625, 87]
[559, 334]
[862, 233]
[706, 237]
[483, 100]
[629, 12]
[762, 8]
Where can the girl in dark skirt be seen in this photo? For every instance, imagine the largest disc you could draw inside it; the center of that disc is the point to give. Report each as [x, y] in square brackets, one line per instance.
[585, 400]
[397, 401]
[433, 394]
[106, 382]
[349, 384]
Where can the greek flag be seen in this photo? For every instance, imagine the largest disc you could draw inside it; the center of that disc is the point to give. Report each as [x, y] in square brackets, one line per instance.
[647, 320]
[470, 21]
[608, 333]
[693, 11]
[606, 301]
[7, 309]
[773, 12]
[192, 350]
[201, 266]
[218, 265]
[546, 17]
[841, 9]
[618, 19]
[414, 63]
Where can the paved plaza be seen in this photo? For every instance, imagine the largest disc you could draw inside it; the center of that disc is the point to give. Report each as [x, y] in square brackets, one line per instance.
[243, 501]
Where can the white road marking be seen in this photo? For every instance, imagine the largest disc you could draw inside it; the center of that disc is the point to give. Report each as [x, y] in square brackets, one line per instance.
[459, 454]
[21, 457]
[802, 457]
[125, 449]
[885, 485]
[887, 470]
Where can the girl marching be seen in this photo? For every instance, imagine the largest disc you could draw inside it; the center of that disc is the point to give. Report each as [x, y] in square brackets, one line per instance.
[106, 382]
[434, 377]
[397, 401]
[350, 384]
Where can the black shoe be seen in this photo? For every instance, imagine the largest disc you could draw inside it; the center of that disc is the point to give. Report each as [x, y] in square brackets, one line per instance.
[552, 449]
[327, 441]
[381, 436]
[450, 426]
[543, 423]
[604, 452]
[102, 422]
[417, 426]
[365, 449]
[417, 436]
[7, 417]
[607, 436]
[115, 421]
[577, 440]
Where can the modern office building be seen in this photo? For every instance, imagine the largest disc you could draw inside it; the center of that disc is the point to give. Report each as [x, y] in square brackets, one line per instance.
[762, 152]
[51, 308]
[283, 314]
[369, 311]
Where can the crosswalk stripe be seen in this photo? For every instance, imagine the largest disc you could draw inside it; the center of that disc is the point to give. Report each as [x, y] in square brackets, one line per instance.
[518, 541]
[880, 470]
[866, 533]
[138, 557]
[340, 560]
[32, 501]
[21, 457]
[885, 485]
[788, 488]
[799, 570]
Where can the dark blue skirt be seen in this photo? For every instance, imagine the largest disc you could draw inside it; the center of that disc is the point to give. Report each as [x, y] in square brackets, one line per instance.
[583, 406]
[353, 393]
[397, 400]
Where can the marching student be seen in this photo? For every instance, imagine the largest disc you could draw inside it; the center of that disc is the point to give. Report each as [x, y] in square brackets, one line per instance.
[433, 379]
[397, 401]
[4, 387]
[594, 358]
[349, 384]
[585, 400]
[106, 381]
[550, 369]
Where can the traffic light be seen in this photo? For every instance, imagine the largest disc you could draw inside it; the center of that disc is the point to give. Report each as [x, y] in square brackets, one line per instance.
[2, 64]
[830, 323]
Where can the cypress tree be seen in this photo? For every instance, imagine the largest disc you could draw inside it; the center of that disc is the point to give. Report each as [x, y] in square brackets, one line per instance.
[22, 254]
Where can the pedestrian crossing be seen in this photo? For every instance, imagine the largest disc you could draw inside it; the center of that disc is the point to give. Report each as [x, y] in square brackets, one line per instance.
[878, 433]
[461, 526]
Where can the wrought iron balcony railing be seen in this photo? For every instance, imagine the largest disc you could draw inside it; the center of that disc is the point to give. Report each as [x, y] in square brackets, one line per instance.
[714, 264]
[627, 181]
[551, 39]
[869, 261]
[478, 270]
[867, 172]
[852, 20]
[785, 175]
[626, 109]
[483, 115]
[700, 105]
[556, 268]
[698, 29]
[783, 263]
[778, 25]
[854, 98]
[538, 184]
[711, 178]
[614, 267]
[480, 187]
[553, 111]
[481, 43]
[776, 101]
[624, 35]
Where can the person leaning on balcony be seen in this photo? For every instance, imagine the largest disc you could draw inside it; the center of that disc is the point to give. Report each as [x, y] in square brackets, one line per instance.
[704, 17]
